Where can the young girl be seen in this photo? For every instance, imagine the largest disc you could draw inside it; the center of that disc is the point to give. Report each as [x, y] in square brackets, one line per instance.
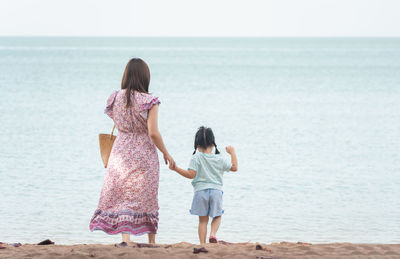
[206, 170]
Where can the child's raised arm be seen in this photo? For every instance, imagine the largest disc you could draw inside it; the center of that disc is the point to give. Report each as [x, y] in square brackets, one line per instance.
[231, 151]
[185, 173]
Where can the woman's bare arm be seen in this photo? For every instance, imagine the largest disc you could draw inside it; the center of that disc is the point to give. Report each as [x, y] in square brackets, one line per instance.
[152, 125]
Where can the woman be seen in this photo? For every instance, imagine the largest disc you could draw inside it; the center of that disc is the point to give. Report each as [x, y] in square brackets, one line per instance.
[128, 202]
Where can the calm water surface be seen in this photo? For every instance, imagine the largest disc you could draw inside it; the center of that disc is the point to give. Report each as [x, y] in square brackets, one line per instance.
[315, 123]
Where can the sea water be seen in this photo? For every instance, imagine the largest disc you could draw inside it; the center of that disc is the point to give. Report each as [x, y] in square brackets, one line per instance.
[315, 123]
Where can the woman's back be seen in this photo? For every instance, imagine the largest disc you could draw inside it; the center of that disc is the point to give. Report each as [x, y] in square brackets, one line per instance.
[132, 119]
[130, 190]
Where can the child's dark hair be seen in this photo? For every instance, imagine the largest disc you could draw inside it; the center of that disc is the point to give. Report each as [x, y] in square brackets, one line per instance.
[204, 138]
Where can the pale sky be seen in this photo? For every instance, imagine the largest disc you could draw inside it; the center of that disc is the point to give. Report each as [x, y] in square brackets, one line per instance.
[259, 18]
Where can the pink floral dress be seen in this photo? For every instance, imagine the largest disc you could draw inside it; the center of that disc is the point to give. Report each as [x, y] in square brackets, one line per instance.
[129, 198]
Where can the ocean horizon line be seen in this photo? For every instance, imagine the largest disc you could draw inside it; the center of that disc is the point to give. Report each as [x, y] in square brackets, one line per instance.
[201, 37]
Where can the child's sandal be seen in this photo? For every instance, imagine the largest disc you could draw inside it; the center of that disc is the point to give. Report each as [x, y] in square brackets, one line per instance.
[212, 239]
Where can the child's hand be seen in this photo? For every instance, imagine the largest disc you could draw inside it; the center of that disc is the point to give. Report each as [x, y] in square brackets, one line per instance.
[230, 149]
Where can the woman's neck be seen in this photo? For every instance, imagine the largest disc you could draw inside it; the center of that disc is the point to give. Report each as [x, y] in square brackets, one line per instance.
[205, 150]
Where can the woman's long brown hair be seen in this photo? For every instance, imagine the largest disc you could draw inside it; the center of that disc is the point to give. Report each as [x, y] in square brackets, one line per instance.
[136, 78]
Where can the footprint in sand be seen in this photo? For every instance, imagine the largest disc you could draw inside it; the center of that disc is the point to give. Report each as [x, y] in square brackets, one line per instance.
[390, 253]
[356, 253]
[374, 253]
[305, 248]
[368, 248]
[311, 253]
[329, 249]
[348, 247]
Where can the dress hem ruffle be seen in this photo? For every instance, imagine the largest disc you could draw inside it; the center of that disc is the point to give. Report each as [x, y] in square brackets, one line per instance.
[124, 230]
[124, 222]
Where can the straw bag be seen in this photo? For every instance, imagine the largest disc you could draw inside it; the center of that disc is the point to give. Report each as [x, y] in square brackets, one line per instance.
[106, 142]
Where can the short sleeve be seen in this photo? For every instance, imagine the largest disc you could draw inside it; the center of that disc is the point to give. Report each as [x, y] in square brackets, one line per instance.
[145, 102]
[194, 164]
[110, 102]
[226, 164]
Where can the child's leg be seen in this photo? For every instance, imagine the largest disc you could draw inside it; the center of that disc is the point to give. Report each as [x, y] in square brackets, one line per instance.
[203, 221]
[215, 223]
[216, 211]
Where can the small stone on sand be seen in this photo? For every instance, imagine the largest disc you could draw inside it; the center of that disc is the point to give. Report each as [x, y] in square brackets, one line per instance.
[46, 242]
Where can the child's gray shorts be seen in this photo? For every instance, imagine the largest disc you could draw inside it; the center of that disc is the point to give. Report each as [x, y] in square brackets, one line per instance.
[207, 202]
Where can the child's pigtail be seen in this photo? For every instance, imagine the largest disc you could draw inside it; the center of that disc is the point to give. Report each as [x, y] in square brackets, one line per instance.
[216, 149]
[196, 142]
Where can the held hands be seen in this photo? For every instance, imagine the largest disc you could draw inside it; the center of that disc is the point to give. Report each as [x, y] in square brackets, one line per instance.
[172, 166]
[230, 149]
[169, 160]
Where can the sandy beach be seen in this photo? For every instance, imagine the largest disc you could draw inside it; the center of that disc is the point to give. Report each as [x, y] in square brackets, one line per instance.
[185, 250]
